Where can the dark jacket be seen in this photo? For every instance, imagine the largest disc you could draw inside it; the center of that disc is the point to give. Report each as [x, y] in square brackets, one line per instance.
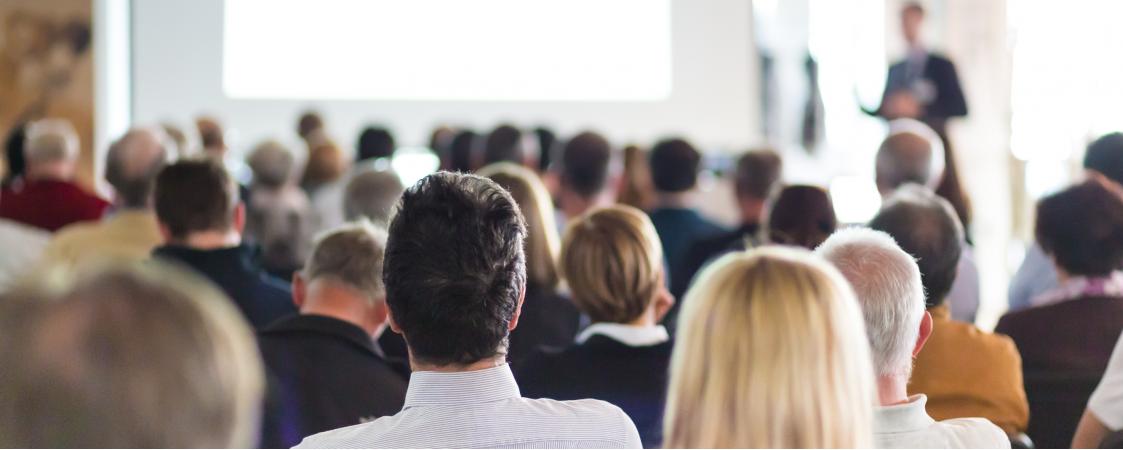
[632, 378]
[324, 373]
[678, 229]
[1073, 335]
[548, 320]
[261, 298]
[939, 73]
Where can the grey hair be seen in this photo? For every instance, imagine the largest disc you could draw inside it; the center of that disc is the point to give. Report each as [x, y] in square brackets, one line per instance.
[351, 254]
[911, 153]
[886, 281]
[272, 164]
[132, 163]
[372, 194]
[51, 140]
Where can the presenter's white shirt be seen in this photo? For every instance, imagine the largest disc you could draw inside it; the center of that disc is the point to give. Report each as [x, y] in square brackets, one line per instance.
[909, 426]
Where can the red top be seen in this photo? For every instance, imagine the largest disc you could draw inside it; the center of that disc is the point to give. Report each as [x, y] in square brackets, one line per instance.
[49, 204]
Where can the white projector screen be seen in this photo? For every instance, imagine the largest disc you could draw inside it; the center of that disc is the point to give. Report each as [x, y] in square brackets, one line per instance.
[636, 70]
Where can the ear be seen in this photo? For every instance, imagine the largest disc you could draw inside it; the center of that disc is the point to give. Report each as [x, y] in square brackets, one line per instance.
[240, 217]
[299, 290]
[165, 232]
[925, 333]
[390, 320]
[379, 312]
[663, 302]
[518, 310]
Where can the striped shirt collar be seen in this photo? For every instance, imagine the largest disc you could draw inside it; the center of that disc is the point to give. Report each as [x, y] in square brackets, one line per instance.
[461, 388]
[630, 335]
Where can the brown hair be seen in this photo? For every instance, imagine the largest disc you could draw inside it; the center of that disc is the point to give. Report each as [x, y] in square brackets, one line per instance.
[801, 216]
[758, 172]
[325, 165]
[195, 195]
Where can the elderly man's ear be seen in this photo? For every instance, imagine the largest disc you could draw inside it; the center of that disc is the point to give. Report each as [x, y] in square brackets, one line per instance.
[925, 333]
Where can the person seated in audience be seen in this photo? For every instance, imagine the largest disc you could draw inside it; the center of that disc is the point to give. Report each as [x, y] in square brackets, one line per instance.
[309, 125]
[547, 139]
[375, 143]
[914, 153]
[547, 319]
[585, 175]
[507, 143]
[212, 138]
[440, 139]
[964, 371]
[674, 170]
[324, 177]
[455, 275]
[324, 367]
[770, 353]
[801, 216]
[179, 145]
[46, 196]
[461, 154]
[1103, 417]
[14, 164]
[372, 194]
[636, 188]
[131, 231]
[613, 265]
[126, 356]
[278, 215]
[202, 219]
[1037, 274]
[887, 284]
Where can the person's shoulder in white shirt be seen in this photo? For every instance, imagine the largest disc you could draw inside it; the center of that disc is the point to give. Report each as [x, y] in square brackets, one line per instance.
[908, 425]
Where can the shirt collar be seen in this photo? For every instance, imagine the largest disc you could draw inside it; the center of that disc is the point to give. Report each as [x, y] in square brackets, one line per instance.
[331, 326]
[461, 388]
[1078, 287]
[631, 335]
[904, 418]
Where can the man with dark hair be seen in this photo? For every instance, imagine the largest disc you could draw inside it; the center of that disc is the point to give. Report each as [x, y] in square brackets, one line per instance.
[926, 227]
[584, 172]
[201, 219]
[131, 232]
[461, 153]
[547, 139]
[375, 142]
[508, 144]
[309, 123]
[455, 277]
[674, 172]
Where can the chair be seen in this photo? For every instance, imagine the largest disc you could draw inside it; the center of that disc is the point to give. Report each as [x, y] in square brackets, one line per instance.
[1056, 402]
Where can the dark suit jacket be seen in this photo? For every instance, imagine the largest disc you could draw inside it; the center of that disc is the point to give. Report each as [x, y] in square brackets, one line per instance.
[324, 373]
[632, 378]
[940, 73]
[261, 297]
[678, 229]
[548, 320]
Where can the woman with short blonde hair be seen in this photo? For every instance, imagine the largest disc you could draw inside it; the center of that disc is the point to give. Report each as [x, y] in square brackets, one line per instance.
[771, 353]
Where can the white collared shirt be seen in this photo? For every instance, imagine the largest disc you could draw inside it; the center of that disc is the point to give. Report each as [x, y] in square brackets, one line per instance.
[484, 409]
[630, 335]
[910, 426]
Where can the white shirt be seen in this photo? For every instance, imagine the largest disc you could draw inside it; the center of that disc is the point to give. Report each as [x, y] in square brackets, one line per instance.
[1107, 401]
[22, 249]
[484, 409]
[910, 426]
[630, 335]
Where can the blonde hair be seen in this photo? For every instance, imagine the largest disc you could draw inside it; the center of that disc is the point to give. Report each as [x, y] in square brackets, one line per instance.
[771, 352]
[538, 210]
[612, 262]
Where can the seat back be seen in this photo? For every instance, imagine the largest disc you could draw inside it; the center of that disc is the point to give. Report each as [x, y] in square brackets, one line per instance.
[1056, 403]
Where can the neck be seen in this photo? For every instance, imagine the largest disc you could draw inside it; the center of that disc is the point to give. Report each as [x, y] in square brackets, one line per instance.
[674, 199]
[574, 205]
[326, 298]
[482, 364]
[647, 319]
[49, 171]
[752, 211]
[211, 240]
[892, 390]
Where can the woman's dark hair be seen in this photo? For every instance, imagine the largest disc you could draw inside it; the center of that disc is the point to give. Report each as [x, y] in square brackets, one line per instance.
[375, 142]
[461, 152]
[801, 216]
[1082, 228]
[13, 152]
[674, 165]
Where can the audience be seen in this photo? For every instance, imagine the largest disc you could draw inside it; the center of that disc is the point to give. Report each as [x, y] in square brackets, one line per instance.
[801, 216]
[455, 276]
[202, 219]
[506, 143]
[547, 318]
[51, 159]
[674, 170]
[913, 153]
[278, 216]
[1071, 332]
[372, 194]
[585, 175]
[327, 372]
[636, 189]
[125, 357]
[374, 143]
[771, 353]
[326, 165]
[23, 246]
[547, 139]
[887, 284]
[130, 232]
[964, 371]
[613, 264]
[14, 144]
[309, 125]
[212, 138]
[461, 155]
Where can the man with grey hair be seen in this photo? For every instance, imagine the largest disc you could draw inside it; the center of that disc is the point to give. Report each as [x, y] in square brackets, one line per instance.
[887, 284]
[46, 196]
[372, 194]
[326, 371]
[278, 214]
[131, 231]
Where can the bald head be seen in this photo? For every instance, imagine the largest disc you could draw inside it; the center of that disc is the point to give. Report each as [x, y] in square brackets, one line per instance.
[132, 164]
[912, 153]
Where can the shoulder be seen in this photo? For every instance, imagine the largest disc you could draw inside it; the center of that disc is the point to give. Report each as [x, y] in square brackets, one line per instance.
[363, 434]
[994, 344]
[973, 433]
[589, 416]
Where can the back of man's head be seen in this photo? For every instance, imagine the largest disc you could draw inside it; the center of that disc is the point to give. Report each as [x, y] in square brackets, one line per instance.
[911, 153]
[455, 268]
[132, 163]
[272, 164]
[50, 141]
[194, 196]
[211, 135]
[758, 174]
[674, 165]
[126, 357]
[310, 122]
[926, 227]
[372, 194]
[1105, 155]
[886, 281]
[375, 142]
[585, 162]
[461, 156]
[352, 255]
[504, 144]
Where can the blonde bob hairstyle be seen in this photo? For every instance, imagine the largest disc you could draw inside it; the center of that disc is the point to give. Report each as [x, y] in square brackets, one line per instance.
[771, 353]
[538, 210]
[612, 261]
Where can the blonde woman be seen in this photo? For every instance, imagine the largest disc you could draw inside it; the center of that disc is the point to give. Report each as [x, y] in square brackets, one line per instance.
[613, 264]
[771, 353]
[547, 318]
